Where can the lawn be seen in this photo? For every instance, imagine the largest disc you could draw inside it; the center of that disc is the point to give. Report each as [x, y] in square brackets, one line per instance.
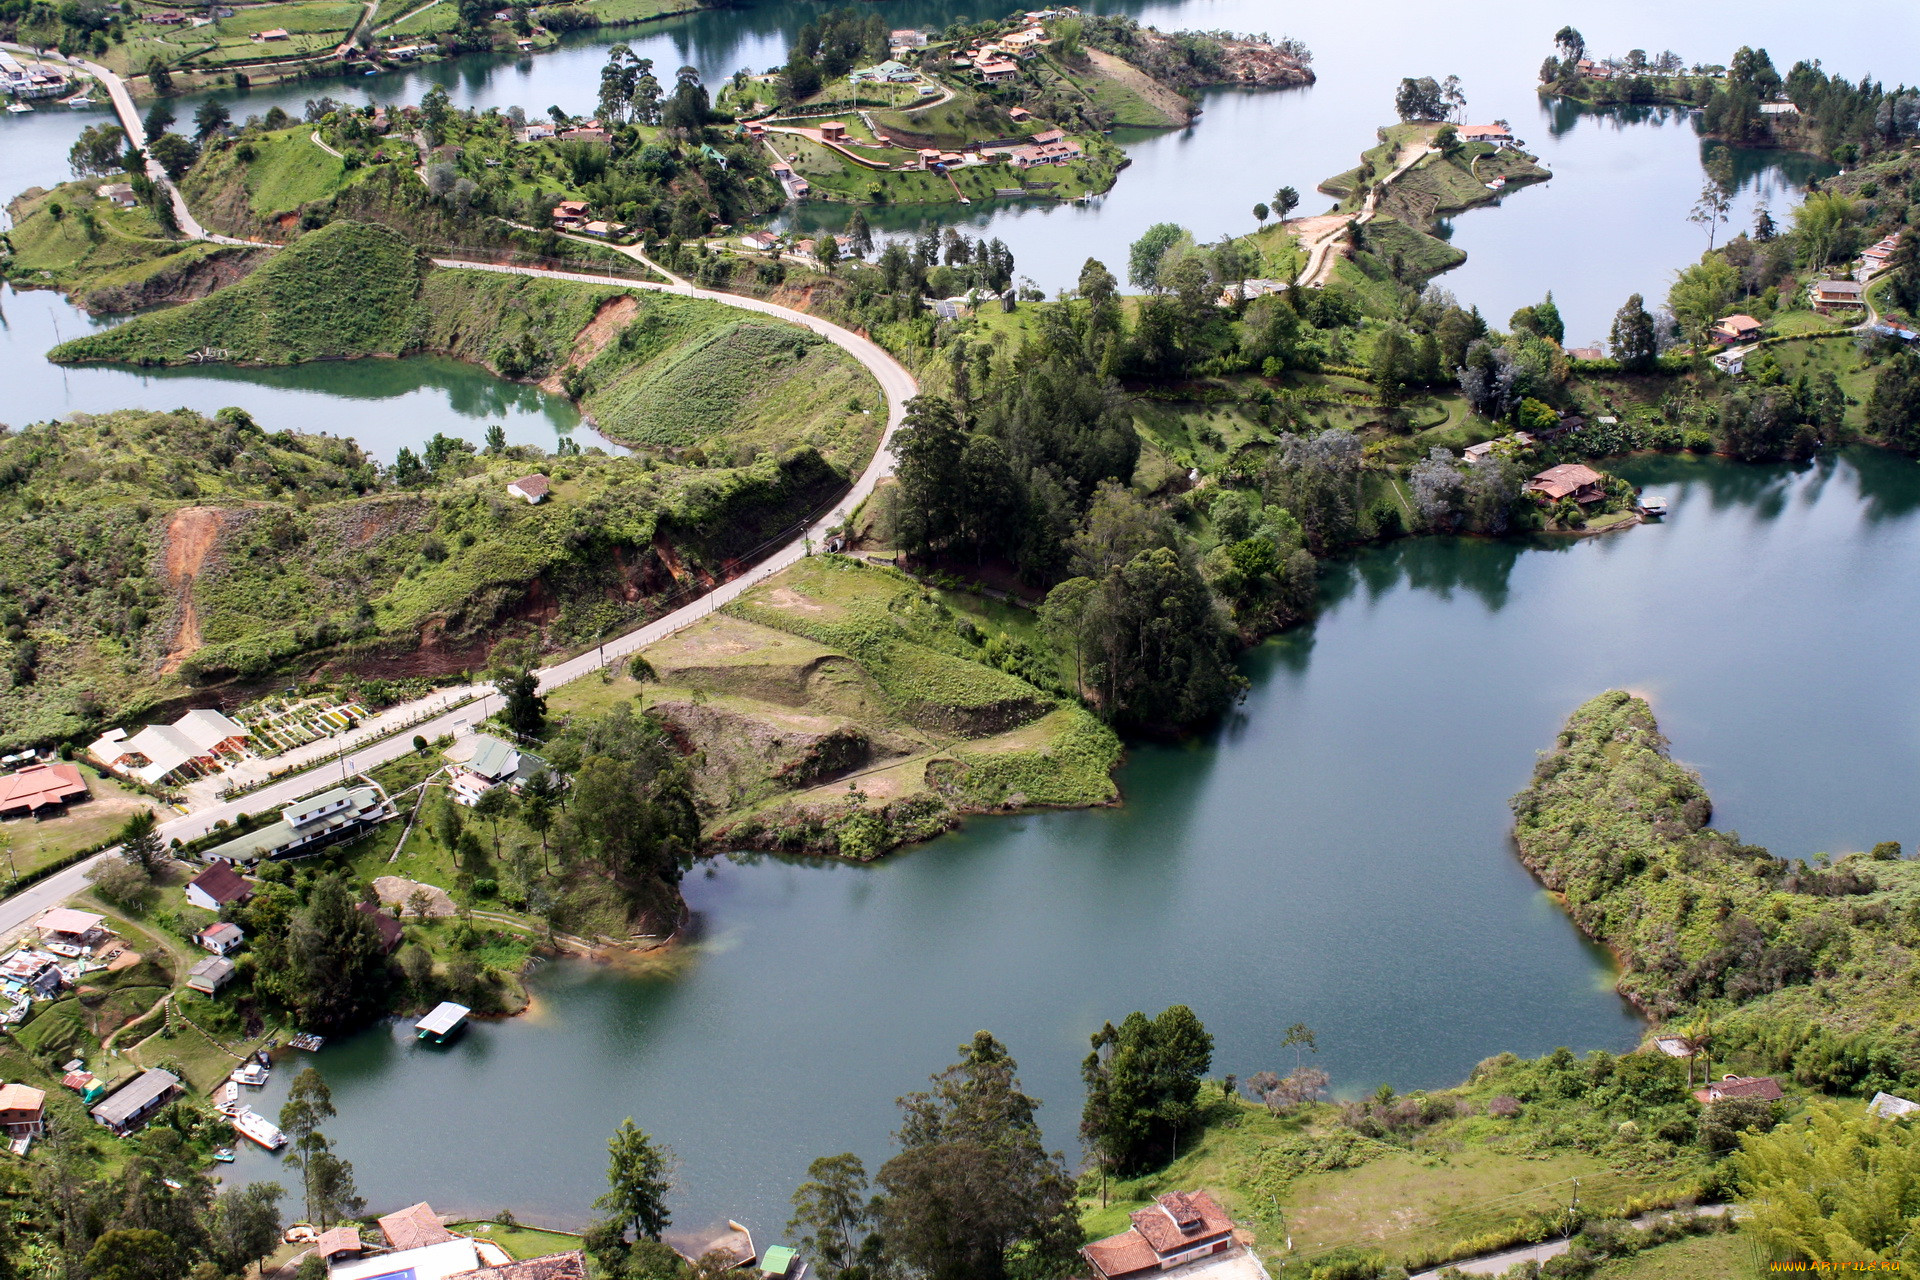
[296, 18]
[289, 170]
[1723, 1256]
[519, 1239]
[33, 843]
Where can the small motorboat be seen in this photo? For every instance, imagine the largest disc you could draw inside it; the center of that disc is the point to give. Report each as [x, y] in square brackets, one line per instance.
[18, 108]
[224, 1155]
[227, 1100]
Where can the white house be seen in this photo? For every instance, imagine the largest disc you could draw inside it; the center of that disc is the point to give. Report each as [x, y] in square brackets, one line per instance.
[533, 489]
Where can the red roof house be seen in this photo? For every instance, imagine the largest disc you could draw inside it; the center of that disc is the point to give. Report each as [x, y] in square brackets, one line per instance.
[391, 931]
[414, 1227]
[1569, 480]
[1179, 1227]
[218, 886]
[41, 787]
[1765, 1088]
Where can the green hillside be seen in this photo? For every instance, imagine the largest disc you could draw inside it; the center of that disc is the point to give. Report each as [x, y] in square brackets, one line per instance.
[349, 289]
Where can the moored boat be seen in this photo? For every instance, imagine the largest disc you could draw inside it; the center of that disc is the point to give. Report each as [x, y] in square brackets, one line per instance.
[254, 1127]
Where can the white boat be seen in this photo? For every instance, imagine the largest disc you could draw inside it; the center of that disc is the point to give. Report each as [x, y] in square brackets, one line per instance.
[18, 108]
[1653, 508]
[254, 1127]
[227, 1100]
[251, 1073]
[79, 100]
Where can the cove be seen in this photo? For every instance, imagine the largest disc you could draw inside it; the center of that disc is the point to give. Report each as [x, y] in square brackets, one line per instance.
[1338, 854]
[383, 404]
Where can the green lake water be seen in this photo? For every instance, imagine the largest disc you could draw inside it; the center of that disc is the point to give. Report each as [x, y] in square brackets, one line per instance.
[1337, 853]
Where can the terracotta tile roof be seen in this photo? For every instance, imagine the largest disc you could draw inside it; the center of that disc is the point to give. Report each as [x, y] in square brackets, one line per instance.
[553, 1266]
[534, 486]
[1766, 1088]
[1181, 1220]
[338, 1240]
[414, 1227]
[1563, 480]
[21, 1097]
[1123, 1255]
[38, 786]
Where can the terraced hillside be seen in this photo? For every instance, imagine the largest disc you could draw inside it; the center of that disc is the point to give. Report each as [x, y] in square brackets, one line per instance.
[842, 708]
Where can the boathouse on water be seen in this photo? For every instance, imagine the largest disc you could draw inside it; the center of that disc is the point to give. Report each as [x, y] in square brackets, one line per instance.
[443, 1023]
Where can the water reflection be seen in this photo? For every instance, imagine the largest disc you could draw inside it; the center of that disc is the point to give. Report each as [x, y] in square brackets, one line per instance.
[383, 404]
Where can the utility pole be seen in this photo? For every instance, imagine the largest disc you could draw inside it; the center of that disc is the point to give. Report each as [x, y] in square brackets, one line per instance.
[1573, 1210]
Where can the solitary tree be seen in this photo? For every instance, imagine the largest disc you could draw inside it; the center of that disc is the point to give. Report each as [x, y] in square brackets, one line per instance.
[1143, 1087]
[1572, 45]
[209, 119]
[973, 1188]
[639, 1175]
[140, 841]
[1260, 215]
[1633, 339]
[1299, 1036]
[1285, 201]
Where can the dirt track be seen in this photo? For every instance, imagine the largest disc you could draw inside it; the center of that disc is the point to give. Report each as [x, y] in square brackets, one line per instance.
[590, 341]
[190, 537]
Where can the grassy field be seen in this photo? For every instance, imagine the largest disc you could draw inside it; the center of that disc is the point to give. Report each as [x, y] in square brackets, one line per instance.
[35, 842]
[1728, 1256]
[69, 238]
[287, 170]
[520, 1241]
[348, 289]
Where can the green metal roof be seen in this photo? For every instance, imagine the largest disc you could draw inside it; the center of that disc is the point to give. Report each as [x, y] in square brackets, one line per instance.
[492, 758]
[777, 1261]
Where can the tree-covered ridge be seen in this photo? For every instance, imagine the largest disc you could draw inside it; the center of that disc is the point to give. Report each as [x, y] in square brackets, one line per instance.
[1808, 964]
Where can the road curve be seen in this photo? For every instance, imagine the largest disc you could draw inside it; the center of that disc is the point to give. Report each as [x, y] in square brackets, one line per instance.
[898, 385]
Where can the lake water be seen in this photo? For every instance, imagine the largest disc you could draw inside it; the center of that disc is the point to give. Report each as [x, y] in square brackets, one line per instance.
[384, 404]
[1620, 194]
[1338, 854]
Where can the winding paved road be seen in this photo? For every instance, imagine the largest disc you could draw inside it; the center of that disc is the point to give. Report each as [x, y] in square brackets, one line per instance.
[896, 383]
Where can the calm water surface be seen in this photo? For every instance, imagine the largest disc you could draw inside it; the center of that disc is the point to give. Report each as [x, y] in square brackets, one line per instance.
[1620, 195]
[1338, 855]
[384, 404]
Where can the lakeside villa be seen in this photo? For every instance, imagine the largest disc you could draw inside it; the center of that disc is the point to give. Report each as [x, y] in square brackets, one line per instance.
[1183, 1232]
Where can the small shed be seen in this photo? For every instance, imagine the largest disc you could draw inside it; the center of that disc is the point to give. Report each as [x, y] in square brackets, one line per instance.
[210, 974]
[1887, 1107]
[63, 926]
[779, 1261]
[533, 489]
[1765, 1088]
[443, 1023]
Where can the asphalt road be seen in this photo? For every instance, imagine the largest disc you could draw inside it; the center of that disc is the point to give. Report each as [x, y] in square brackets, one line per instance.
[895, 381]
